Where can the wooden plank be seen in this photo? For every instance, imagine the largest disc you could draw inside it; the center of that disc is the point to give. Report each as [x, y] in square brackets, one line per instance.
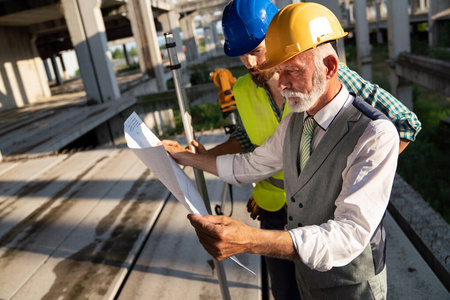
[28, 245]
[95, 257]
[173, 264]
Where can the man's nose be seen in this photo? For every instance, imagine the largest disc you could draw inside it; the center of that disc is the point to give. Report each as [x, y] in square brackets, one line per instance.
[249, 61]
[283, 81]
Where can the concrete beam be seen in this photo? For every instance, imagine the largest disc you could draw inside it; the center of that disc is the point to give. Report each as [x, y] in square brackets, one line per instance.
[428, 72]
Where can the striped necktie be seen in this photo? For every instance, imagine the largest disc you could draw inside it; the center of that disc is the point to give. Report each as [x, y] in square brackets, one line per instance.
[308, 130]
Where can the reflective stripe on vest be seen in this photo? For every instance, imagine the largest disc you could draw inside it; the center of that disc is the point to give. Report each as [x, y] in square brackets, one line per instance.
[260, 122]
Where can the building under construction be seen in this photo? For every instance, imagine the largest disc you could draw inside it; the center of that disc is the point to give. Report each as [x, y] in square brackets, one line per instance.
[82, 217]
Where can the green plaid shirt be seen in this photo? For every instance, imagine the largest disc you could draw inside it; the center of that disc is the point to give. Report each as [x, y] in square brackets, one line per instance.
[404, 120]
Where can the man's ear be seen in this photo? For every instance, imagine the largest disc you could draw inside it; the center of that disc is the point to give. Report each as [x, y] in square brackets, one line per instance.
[331, 62]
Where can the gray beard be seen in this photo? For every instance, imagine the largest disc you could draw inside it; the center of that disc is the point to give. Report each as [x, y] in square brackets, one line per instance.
[306, 100]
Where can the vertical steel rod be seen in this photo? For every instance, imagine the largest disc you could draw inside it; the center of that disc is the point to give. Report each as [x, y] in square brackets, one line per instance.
[187, 124]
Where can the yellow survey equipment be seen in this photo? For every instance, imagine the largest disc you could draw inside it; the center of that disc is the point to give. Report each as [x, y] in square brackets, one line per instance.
[224, 80]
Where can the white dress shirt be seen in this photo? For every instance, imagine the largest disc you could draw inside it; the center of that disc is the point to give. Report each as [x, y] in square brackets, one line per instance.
[362, 202]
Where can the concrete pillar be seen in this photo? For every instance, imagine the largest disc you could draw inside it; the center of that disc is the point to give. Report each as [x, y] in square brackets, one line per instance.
[170, 23]
[380, 39]
[431, 27]
[144, 60]
[334, 6]
[143, 26]
[418, 6]
[41, 73]
[188, 28]
[87, 32]
[63, 66]
[363, 40]
[209, 41]
[47, 69]
[399, 41]
[435, 10]
[414, 7]
[422, 5]
[347, 11]
[217, 45]
[125, 53]
[352, 13]
[58, 78]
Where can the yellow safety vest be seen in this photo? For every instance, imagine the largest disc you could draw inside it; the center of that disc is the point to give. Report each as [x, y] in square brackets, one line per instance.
[260, 122]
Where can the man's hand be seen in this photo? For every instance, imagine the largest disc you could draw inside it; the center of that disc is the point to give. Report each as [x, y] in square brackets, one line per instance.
[403, 144]
[178, 152]
[221, 236]
[254, 210]
[185, 156]
[200, 148]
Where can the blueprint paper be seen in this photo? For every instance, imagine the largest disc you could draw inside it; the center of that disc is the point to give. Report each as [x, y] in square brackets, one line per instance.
[142, 141]
[144, 144]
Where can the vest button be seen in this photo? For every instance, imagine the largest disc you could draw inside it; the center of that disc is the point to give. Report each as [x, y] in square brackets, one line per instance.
[292, 199]
[291, 218]
[300, 205]
[299, 225]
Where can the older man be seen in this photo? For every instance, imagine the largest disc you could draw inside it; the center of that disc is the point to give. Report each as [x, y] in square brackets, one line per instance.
[339, 158]
[261, 107]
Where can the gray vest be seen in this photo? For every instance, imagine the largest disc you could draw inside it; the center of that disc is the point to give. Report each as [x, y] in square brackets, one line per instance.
[311, 194]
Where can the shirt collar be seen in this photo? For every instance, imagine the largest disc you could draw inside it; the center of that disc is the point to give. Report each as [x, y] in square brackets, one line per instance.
[328, 113]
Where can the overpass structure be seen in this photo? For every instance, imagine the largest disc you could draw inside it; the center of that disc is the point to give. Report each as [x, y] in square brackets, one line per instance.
[32, 31]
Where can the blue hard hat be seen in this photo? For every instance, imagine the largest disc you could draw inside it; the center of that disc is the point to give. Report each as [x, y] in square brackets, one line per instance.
[245, 23]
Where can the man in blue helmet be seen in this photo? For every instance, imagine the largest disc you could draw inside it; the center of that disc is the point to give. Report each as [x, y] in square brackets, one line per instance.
[261, 107]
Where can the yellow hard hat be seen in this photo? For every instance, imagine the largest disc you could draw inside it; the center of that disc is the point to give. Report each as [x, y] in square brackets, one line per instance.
[299, 27]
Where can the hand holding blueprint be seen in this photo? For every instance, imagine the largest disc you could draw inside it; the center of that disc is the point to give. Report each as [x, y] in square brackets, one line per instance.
[144, 144]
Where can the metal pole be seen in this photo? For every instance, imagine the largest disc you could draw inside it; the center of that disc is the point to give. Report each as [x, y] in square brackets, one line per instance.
[187, 124]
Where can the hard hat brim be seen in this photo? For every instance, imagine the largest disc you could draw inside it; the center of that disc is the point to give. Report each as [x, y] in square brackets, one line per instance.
[269, 64]
[243, 49]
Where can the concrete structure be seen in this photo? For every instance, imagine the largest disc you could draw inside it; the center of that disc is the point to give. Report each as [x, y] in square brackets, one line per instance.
[438, 11]
[87, 26]
[363, 41]
[22, 77]
[399, 41]
[87, 33]
[43, 28]
[431, 73]
[141, 17]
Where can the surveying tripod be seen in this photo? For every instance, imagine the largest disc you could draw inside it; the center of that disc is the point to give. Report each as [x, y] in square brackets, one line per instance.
[224, 80]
